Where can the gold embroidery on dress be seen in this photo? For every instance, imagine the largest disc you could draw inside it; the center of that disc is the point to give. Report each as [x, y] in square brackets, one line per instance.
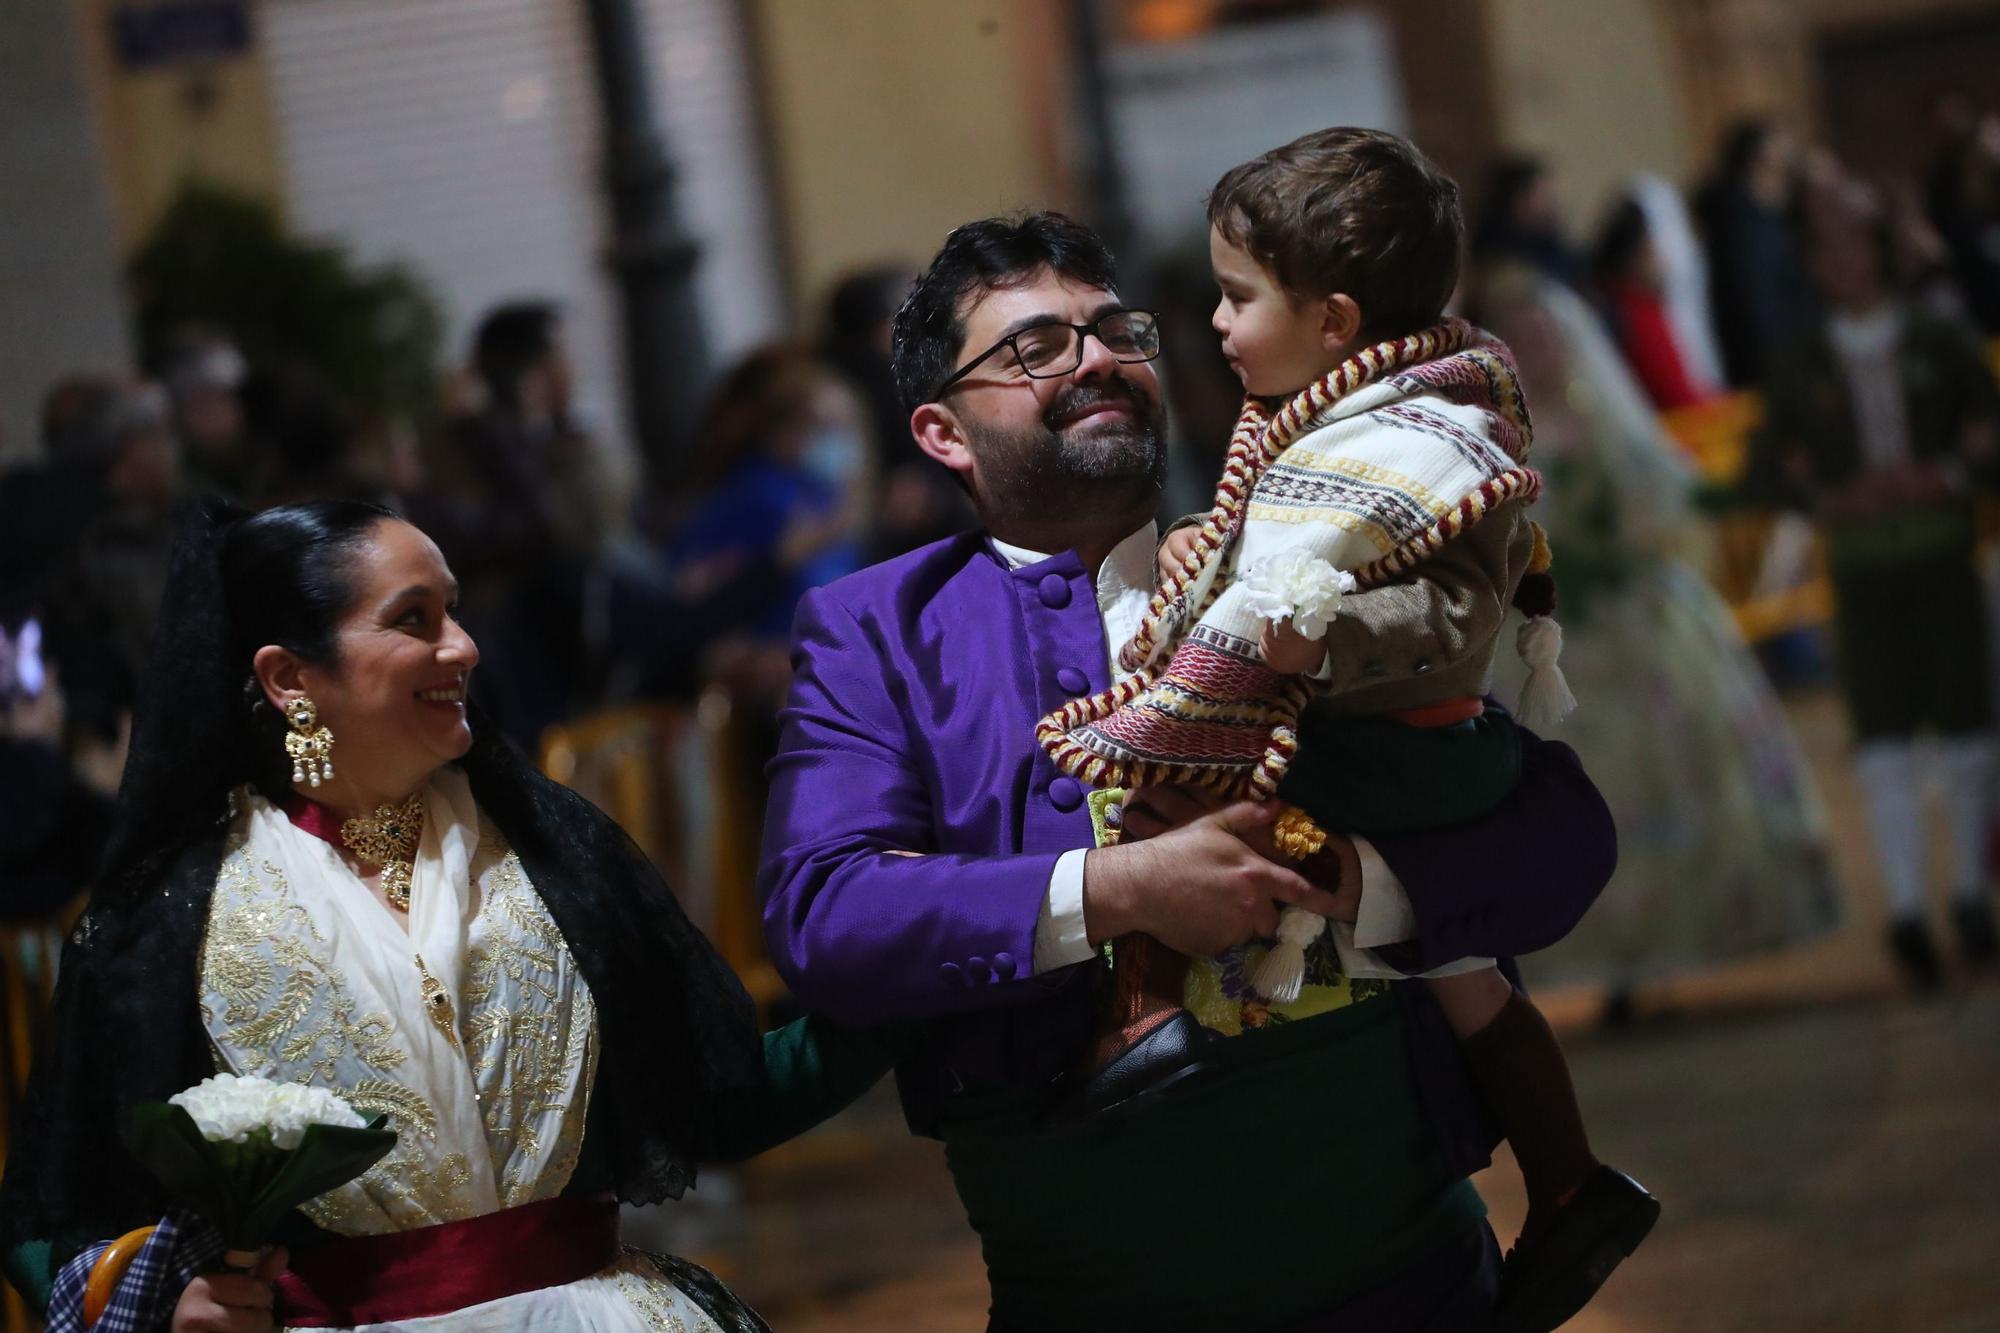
[652, 1299]
[258, 930]
[286, 1011]
[274, 999]
[532, 1055]
[406, 1110]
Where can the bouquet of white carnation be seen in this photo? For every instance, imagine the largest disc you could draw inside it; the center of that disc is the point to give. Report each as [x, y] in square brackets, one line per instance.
[1295, 586]
[244, 1152]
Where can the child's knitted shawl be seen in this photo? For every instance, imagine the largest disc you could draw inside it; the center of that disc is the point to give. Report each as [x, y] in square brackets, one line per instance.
[1401, 448]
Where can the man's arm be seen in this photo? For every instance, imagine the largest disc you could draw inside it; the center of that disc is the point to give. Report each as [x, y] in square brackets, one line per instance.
[1514, 882]
[868, 925]
[865, 922]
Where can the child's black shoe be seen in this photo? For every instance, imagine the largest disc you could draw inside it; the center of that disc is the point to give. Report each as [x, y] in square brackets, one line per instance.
[1546, 1280]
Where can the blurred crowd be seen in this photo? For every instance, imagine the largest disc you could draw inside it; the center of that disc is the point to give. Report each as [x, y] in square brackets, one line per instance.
[586, 589]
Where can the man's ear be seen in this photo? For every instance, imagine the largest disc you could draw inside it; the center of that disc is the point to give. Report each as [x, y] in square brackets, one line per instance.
[939, 433]
[1340, 325]
[280, 673]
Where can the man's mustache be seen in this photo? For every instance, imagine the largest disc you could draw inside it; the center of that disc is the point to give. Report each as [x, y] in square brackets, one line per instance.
[1083, 397]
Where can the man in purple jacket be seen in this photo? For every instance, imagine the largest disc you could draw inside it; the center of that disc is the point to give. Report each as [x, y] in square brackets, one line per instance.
[924, 862]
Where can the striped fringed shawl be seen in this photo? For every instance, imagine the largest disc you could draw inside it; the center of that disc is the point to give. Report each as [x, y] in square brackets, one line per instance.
[1401, 448]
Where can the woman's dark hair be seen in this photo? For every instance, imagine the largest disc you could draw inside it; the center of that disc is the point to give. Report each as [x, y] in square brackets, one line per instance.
[203, 728]
[1619, 242]
[980, 257]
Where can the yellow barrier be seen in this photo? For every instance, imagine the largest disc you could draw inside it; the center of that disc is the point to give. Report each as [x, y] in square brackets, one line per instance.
[629, 760]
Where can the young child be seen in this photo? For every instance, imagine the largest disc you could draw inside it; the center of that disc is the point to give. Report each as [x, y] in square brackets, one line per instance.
[1326, 635]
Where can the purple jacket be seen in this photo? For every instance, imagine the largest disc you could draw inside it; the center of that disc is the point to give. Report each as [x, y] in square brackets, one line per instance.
[917, 684]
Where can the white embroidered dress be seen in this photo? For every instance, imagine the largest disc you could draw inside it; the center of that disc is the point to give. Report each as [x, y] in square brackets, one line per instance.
[306, 976]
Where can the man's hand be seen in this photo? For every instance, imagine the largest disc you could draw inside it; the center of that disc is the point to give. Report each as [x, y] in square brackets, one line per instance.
[231, 1302]
[1288, 652]
[1198, 889]
[1336, 868]
[1175, 550]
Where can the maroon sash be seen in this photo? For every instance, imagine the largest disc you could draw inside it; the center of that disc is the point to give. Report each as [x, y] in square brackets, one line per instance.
[434, 1270]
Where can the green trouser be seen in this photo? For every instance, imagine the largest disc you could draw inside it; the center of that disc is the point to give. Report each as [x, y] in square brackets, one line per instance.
[1376, 775]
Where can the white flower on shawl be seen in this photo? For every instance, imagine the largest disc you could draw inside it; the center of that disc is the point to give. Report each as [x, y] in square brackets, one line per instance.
[229, 1109]
[1295, 586]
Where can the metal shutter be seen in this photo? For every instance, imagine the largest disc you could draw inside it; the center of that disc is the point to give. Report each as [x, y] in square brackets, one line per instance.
[462, 138]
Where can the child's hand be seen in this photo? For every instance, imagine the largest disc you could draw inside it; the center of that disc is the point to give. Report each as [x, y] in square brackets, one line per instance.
[1288, 652]
[1178, 546]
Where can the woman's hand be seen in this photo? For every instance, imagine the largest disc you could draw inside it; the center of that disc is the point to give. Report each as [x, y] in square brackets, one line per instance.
[1175, 550]
[232, 1302]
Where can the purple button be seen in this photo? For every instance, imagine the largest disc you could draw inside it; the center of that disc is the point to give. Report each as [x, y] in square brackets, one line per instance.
[1065, 794]
[1054, 589]
[1003, 966]
[976, 968]
[953, 975]
[1072, 681]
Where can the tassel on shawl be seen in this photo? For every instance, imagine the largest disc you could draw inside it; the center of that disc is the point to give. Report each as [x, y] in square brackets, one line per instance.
[1281, 976]
[1545, 695]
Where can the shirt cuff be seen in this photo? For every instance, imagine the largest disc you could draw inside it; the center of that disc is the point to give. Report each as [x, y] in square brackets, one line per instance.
[1060, 939]
[1384, 915]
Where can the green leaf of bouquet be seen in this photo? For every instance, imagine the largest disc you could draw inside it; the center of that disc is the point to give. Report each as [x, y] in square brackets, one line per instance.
[328, 1156]
[164, 1139]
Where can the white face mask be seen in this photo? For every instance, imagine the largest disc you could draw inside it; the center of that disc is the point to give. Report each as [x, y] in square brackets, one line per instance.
[833, 454]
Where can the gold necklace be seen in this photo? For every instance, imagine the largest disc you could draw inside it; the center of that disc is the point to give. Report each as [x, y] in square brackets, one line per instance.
[388, 838]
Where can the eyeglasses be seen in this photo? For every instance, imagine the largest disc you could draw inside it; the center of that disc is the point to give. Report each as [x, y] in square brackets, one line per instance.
[1052, 350]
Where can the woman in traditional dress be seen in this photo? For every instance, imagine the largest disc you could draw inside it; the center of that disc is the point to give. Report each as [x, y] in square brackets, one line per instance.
[325, 872]
[1722, 841]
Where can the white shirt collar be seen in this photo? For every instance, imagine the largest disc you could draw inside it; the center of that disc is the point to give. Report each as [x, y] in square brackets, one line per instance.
[1130, 561]
[1125, 582]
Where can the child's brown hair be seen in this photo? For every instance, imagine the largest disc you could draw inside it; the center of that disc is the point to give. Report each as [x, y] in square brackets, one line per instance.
[1349, 210]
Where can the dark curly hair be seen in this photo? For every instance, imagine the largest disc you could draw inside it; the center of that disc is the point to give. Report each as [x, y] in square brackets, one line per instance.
[929, 331]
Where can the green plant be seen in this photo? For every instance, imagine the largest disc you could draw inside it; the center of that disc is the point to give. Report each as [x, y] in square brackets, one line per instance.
[222, 259]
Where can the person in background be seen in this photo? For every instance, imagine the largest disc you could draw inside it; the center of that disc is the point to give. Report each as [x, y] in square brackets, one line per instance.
[204, 377]
[518, 497]
[1723, 849]
[310, 442]
[1879, 420]
[45, 504]
[785, 478]
[1757, 286]
[1684, 279]
[1520, 223]
[108, 590]
[1964, 206]
[56, 821]
[1625, 269]
[917, 502]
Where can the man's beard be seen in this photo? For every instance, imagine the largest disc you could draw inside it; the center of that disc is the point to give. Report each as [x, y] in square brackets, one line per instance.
[1054, 471]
